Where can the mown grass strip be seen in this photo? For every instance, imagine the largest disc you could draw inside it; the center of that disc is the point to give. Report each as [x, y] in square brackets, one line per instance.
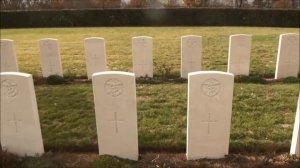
[262, 119]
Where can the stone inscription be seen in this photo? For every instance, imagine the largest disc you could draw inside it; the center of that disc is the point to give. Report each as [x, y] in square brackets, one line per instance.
[114, 87]
[211, 87]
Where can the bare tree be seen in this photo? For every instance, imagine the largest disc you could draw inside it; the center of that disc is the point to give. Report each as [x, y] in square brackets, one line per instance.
[241, 3]
[262, 3]
[282, 4]
[196, 3]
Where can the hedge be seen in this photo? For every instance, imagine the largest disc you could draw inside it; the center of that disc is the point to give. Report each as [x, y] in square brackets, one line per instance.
[150, 17]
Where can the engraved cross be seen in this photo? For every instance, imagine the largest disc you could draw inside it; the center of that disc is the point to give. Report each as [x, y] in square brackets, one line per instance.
[209, 121]
[15, 121]
[116, 121]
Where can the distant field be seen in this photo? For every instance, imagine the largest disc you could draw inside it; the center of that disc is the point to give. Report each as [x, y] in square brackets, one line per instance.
[166, 41]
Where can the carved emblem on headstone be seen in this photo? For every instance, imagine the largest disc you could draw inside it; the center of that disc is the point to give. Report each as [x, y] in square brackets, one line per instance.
[113, 87]
[9, 88]
[211, 87]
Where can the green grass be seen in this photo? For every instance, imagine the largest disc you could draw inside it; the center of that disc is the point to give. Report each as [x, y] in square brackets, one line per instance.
[263, 116]
[166, 50]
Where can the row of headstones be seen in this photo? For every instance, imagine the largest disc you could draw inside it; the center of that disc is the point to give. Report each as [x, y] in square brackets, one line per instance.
[209, 112]
[191, 56]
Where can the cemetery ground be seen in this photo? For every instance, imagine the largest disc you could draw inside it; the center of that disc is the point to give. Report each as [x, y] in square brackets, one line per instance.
[263, 111]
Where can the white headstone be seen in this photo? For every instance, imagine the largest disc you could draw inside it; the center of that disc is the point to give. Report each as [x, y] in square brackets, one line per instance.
[8, 58]
[142, 56]
[95, 55]
[288, 56]
[295, 146]
[116, 113]
[209, 114]
[20, 124]
[50, 57]
[239, 54]
[191, 54]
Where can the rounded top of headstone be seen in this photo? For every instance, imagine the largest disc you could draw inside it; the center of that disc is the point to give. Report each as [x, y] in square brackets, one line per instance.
[189, 36]
[48, 39]
[139, 37]
[241, 35]
[94, 38]
[289, 34]
[210, 73]
[6, 40]
[113, 73]
[15, 74]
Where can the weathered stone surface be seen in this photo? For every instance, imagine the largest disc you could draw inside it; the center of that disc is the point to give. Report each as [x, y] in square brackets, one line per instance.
[116, 113]
[191, 54]
[95, 55]
[209, 114]
[50, 57]
[288, 56]
[295, 146]
[20, 124]
[8, 58]
[142, 56]
[239, 54]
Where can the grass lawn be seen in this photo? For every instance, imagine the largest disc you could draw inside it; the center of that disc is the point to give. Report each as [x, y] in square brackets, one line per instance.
[263, 114]
[166, 47]
[262, 121]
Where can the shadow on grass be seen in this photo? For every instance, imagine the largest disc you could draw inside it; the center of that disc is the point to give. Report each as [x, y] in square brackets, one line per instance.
[234, 147]
[72, 148]
[171, 79]
[250, 79]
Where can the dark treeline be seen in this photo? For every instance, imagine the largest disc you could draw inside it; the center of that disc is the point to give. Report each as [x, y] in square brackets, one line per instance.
[81, 4]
